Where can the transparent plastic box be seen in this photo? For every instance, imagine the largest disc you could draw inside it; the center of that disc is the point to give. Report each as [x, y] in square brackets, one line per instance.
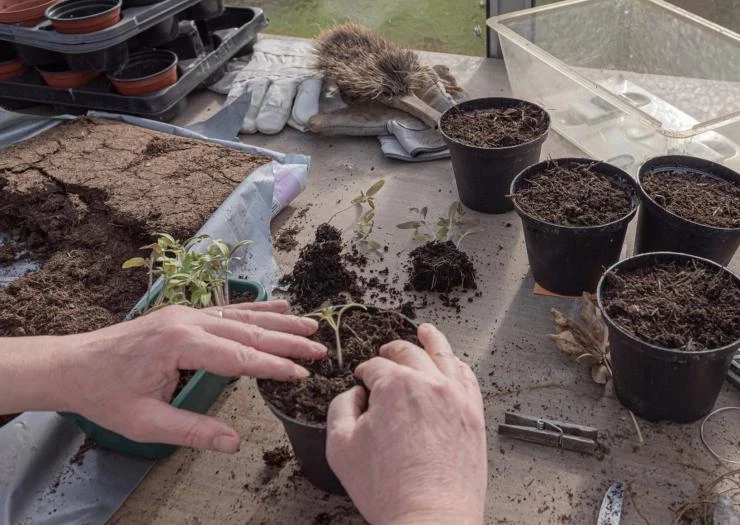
[626, 80]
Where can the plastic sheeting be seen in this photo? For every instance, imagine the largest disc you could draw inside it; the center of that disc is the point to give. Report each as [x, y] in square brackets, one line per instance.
[39, 482]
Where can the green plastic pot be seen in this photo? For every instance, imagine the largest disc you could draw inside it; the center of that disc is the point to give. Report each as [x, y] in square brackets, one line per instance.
[197, 396]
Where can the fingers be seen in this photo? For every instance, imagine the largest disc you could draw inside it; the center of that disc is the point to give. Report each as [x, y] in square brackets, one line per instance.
[268, 319]
[345, 409]
[227, 357]
[153, 421]
[440, 351]
[408, 354]
[371, 371]
[278, 306]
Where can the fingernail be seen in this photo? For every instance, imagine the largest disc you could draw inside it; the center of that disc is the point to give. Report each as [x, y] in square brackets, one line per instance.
[319, 348]
[311, 324]
[300, 373]
[226, 443]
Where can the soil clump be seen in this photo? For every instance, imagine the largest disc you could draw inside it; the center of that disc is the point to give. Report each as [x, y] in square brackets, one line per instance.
[439, 267]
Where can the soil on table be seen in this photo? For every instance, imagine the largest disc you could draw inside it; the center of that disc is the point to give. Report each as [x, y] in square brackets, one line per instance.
[286, 241]
[695, 197]
[85, 196]
[321, 274]
[497, 127]
[362, 336]
[277, 457]
[686, 306]
[439, 267]
[574, 194]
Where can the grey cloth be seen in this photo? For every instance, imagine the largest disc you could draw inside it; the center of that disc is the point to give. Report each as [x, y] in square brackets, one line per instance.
[412, 141]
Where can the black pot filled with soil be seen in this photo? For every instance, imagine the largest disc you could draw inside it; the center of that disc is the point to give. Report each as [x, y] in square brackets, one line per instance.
[575, 214]
[491, 140]
[674, 326]
[689, 205]
[302, 406]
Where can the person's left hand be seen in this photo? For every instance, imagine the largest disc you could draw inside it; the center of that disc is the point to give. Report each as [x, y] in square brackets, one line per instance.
[123, 377]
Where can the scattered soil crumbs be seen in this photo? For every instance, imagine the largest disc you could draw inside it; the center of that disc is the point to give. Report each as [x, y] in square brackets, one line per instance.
[695, 197]
[277, 457]
[321, 275]
[686, 306]
[440, 266]
[286, 241]
[574, 194]
[79, 457]
[495, 128]
[84, 197]
[364, 334]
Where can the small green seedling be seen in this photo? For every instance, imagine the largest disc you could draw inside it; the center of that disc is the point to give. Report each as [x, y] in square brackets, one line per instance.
[365, 224]
[447, 228]
[192, 278]
[332, 315]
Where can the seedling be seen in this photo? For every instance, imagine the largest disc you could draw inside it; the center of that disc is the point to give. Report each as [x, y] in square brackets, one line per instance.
[364, 226]
[447, 228]
[332, 315]
[192, 278]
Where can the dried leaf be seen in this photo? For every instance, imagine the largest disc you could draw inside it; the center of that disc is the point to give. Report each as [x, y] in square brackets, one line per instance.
[567, 343]
[593, 321]
[599, 374]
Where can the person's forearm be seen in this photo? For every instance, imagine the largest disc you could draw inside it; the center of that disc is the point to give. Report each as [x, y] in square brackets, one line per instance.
[31, 373]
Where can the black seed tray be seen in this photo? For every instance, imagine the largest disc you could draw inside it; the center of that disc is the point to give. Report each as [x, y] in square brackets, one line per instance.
[134, 20]
[233, 31]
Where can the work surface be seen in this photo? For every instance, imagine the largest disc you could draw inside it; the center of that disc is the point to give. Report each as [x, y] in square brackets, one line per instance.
[502, 334]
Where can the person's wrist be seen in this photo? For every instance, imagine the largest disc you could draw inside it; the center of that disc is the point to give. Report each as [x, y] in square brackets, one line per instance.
[436, 515]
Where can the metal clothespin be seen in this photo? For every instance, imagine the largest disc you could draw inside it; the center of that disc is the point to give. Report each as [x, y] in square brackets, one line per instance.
[567, 436]
[734, 374]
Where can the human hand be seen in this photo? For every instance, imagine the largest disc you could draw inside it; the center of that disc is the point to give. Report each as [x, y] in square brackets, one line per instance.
[418, 453]
[123, 377]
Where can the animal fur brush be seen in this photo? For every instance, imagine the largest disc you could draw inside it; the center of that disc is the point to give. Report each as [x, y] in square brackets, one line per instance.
[368, 67]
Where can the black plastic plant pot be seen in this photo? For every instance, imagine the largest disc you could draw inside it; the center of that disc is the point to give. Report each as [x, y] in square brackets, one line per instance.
[661, 230]
[109, 59]
[157, 35]
[197, 396]
[35, 56]
[204, 10]
[309, 442]
[569, 260]
[483, 175]
[658, 383]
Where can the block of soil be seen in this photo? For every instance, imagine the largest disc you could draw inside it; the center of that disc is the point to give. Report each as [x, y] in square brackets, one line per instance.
[688, 306]
[695, 197]
[574, 194]
[362, 335]
[496, 128]
[440, 266]
[84, 197]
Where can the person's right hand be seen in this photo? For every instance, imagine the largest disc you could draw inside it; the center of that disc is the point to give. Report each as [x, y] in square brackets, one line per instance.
[414, 451]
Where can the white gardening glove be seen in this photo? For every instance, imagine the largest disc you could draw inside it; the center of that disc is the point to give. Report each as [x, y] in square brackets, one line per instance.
[285, 87]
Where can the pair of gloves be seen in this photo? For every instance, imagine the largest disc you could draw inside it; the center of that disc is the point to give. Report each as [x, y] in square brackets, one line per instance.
[286, 89]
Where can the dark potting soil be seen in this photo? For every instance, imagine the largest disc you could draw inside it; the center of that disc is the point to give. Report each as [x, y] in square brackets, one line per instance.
[321, 275]
[439, 267]
[79, 457]
[240, 297]
[85, 196]
[689, 306]
[286, 241]
[364, 334]
[495, 128]
[277, 457]
[573, 195]
[695, 197]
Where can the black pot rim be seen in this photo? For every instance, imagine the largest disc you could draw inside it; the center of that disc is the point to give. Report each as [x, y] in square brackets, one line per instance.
[673, 161]
[318, 426]
[655, 348]
[494, 101]
[564, 227]
[52, 12]
[172, 56]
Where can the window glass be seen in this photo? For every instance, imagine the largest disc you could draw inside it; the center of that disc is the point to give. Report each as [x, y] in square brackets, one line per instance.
[451, 26]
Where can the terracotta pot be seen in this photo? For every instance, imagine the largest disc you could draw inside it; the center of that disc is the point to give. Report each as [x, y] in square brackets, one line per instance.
[84, 16]
[59, 76]
[146, 72]
[11, 69]
[27, 12]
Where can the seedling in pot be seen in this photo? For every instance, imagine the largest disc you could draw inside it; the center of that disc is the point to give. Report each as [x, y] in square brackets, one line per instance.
[192, 278]
[365, 224]
[332, 315]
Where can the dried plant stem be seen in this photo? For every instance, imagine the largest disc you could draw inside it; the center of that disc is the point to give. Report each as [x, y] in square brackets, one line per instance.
[640, 440]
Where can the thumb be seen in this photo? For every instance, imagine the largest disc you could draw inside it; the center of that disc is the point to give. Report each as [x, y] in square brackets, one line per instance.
[344, 411]
[153, 421]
